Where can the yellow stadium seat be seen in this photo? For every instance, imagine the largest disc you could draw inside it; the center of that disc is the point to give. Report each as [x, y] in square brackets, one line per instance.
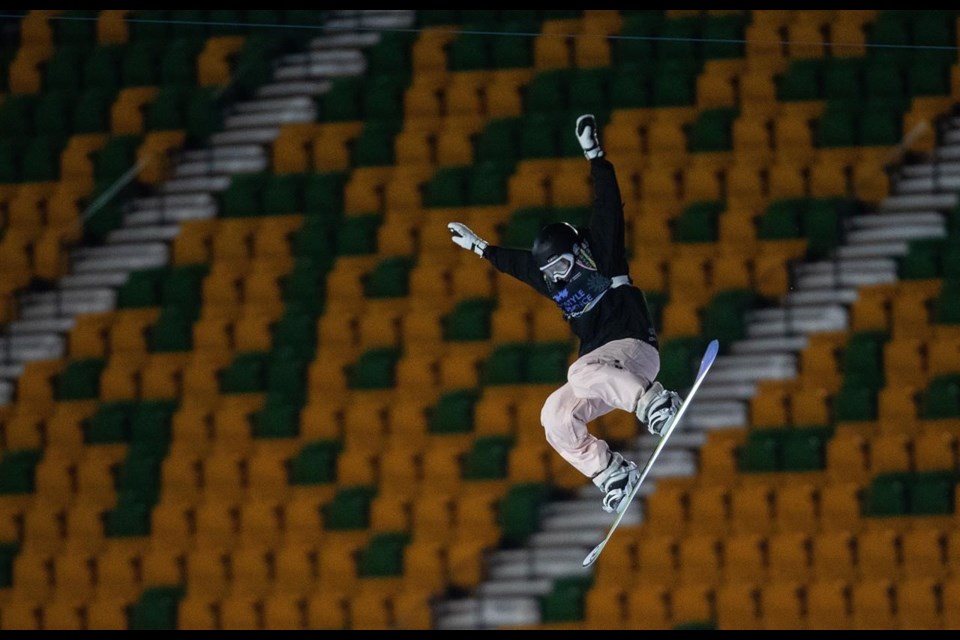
[128, 332]
[745, 558]
[172, 522]
[32, 572]
[782, 606]
[120, 379]
[840, 506]
[935, 450]
[250, 571]
[805, 39]
[108, 613]
[327, 610]
[337, 565]
[239, 612]
[282, 613]
[197, 613]
[128, 110]
[295, 569]
[118, 568]
[752, 508]
[738, 606]
[829, 603]
[918, 604]
[873, 605]
[291, 151]
[834, 555]
[303, 518]
[878, 552]
[207, 572]
[74, 573]
[332, 146]
[161, 376]
[796, 508]
[21, 613]
[692, 603]
[700, 558]
[223, 475]
[789, 554]
[194, 242]
[232, 421]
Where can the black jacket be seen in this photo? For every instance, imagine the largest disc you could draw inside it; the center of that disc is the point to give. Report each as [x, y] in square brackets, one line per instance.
[622, 311]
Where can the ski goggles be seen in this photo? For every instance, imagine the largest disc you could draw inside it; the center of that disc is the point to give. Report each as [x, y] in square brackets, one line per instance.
[558, 268]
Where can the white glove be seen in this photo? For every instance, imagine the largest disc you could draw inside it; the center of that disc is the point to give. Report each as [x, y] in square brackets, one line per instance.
[463, 236]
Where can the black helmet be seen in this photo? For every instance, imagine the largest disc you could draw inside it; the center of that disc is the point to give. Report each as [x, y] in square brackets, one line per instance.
[553, 241]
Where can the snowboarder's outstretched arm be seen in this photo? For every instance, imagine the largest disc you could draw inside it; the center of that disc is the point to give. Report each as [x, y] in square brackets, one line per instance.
[518, 263]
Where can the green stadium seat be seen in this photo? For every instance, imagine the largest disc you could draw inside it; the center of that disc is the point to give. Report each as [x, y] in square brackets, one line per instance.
[699, 222]
[92, 112]
[519, 512]
[150, 24]
[178, 62]
[499, 141]
[374, 147]
[323, 195]
[246, 374]
[487, 183]
[470, 51]
[286, 374]
[723, 36]
[142, 289]
[469, 320]
[80, 380]
[316, 463]
[283, 194]
[941, 399]
[279, 418]
[761, 453]
[801, 81]
[64, 71]
[182, 286]
[390, 278]
[673, 84]
[887, 496]
[637, 42]
[110, 424]
[17, 469]
[862, 359]
[630, 86]
[382, 98]
[453, 412]
[488, 458]
[565, 601]
[150, 424]
[357, 235]
[173, 330]
[448, 187]
[75, 28]
[350, 509]
[382, 557]
[155, 609]
[712, 130]
[140, 64]
[375, 369]
[680, 39]
[547, 362]
[724, 317]
[506, 365]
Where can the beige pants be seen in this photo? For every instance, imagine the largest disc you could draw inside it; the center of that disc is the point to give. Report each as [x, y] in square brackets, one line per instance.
[610, 377]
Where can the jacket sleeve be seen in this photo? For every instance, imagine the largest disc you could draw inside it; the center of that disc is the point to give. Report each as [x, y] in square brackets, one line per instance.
[519, 264]
[606, 222]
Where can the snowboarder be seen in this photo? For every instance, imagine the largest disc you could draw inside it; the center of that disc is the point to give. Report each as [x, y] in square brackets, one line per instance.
[585, 272]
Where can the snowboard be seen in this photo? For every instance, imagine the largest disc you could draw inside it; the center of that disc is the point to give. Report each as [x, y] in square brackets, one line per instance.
[705, 363]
